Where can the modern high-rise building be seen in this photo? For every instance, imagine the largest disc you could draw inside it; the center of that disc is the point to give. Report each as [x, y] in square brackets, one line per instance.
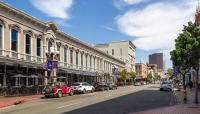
[123, 50]
[157, 58]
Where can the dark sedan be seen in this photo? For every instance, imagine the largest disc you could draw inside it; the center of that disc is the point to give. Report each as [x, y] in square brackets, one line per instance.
[112, 86]
[101, 86]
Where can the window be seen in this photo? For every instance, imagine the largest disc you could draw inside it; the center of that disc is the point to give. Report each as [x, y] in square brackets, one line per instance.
[28, 44]
[71, 56]
[65, 54]
[38, 47]
[112, 51]
[1, 35]
[81, 59]
[76, 57]
[121, 51]
[94, 62]
[90, 61]
[49, 46]
[58, 49]
[14, 39]
[86, 61]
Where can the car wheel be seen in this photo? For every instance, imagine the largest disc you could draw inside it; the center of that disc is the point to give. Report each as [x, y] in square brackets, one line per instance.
[92, 91]
[46, 96]
[71, 93]
[161, 89]
[59, 94]
[107, 88]
[102, 89]
[170, 89]
[84, 91]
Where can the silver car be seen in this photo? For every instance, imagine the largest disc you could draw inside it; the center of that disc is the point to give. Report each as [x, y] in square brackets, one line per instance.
[166, 86]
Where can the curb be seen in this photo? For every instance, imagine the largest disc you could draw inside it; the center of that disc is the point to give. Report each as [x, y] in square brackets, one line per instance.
[13, 103]
[17, 102]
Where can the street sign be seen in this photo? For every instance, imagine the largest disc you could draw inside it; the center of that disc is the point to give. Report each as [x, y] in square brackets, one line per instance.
[49, 65]
[176, 71]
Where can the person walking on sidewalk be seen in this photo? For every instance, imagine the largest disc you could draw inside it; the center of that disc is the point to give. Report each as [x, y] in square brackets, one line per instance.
[190, 84]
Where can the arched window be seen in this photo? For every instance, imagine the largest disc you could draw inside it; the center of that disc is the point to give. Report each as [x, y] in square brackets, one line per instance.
[1, 36]
[65, 54]
[2, 25]
[81, 59]
[71, 56]
[38, 46]
[28, 43]
[86, 61]
[76, 57]
[14, 39]
[58, 49]
[90, 62]
[49, 46]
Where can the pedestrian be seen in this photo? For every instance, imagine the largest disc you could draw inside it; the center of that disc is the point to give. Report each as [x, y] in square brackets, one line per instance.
[190, 84]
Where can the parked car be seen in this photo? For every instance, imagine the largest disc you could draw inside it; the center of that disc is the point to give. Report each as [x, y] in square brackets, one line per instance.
[82, 87]
[137, 83]
[101, 86]
[166, 86]
[57, 90]
[112, 86]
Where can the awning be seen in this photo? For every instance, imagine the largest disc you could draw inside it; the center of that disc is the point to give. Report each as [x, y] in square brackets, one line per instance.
[78, 72]
[13, 62]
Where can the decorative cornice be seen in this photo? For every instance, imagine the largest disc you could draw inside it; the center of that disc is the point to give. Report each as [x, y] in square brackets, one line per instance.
[58, 43]
[66, 46]
[30, 32]
[2, 22]
[71, 48]
[15, 26]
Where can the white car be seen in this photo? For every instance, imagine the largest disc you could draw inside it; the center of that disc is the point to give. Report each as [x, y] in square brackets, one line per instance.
[82, 87]
[166, 86]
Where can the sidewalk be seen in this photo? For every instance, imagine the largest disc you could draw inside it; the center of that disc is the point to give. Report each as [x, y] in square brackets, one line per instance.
[8, 101]
[181, 108]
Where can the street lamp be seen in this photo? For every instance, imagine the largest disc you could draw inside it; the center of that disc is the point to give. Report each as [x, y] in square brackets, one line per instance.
[52, 63]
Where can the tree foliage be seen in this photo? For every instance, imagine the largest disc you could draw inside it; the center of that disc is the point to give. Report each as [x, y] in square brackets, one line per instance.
[123, 75]
[170, 72]
[187, 49]
[149, 76]
[133, 75]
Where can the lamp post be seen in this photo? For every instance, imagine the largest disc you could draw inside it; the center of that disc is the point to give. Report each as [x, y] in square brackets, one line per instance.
[52, 64]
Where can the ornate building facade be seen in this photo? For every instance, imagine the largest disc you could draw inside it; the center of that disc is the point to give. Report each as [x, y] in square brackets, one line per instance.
[29, 48]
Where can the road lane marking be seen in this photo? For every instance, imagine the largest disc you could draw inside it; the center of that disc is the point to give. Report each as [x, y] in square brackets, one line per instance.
[67, 105]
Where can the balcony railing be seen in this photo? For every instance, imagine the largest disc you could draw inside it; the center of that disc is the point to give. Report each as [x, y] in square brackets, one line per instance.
[14, 54]
[28, 57]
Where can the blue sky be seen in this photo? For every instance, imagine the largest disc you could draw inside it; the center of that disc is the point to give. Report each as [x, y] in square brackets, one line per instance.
[151, 24]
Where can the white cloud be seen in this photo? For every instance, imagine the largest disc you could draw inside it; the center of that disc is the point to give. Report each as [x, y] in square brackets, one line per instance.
[156, 26]
[54, 8]
[108, 28]
[122, 3]
[130, 2]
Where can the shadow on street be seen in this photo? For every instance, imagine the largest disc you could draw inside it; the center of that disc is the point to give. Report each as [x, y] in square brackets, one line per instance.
[134, 102]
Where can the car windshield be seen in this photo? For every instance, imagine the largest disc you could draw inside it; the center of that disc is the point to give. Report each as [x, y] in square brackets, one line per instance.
[76, 84]
[166, 83]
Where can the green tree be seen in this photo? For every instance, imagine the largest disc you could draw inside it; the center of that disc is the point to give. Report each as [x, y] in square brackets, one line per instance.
[157, 76]
[187, 52]
[123, 75]
[170, 72]
[133, 75]
[149, 76]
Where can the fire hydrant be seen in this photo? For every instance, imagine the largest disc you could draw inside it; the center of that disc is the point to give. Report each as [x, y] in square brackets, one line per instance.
[185, 95]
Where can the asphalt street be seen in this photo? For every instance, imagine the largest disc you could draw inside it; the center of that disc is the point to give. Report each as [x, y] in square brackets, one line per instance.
[124, 100]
